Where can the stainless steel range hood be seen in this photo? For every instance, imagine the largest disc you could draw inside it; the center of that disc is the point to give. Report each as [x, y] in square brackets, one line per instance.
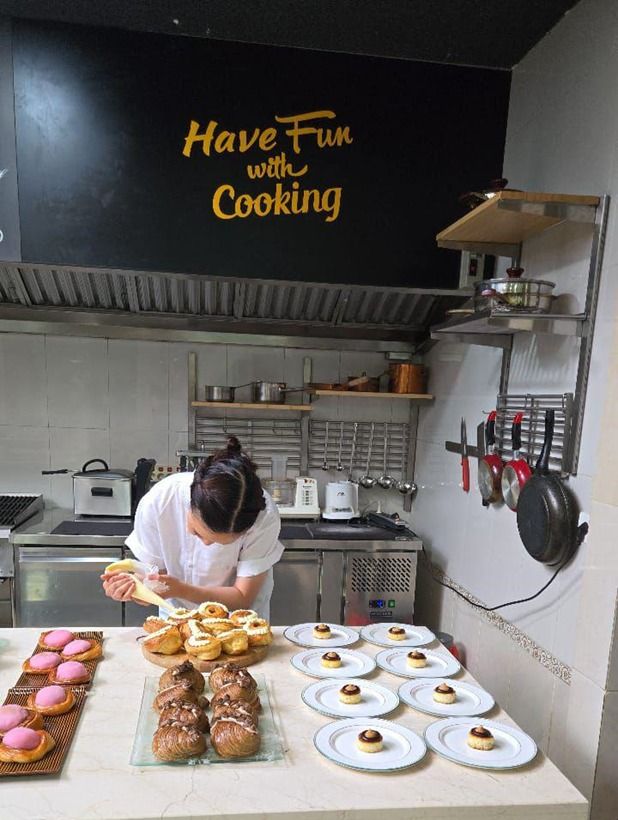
[146, 304]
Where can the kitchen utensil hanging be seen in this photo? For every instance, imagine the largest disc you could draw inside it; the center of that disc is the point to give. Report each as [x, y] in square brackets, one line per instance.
[385, 481]
[517, 471]
[490, 466]
[339, 465]
[547, 512]
[325, 458]
[404, 486]
[366, 480]
[353, 451]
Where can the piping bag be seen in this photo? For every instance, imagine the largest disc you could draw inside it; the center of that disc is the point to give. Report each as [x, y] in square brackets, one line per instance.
[138, 570]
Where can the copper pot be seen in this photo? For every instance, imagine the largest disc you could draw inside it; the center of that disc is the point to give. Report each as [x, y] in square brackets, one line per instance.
[407, 378]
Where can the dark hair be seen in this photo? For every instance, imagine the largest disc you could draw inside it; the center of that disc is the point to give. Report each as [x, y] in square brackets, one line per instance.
[226, 492]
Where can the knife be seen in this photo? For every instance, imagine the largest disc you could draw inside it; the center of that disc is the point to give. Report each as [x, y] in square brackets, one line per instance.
[465, 464]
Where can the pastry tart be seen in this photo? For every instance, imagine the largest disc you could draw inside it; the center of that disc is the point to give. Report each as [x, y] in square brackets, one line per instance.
[51, 700]
[230, 673]
[81, 650]
[331, 660]
[154, 623]
[212, 609]
[177, 741]
[258, 632]
[480, 738]
[214, 626]
[235, 736]
[166, 641]
[25, 745]
[443, 693]
[370, 740]
[321, 631]
[350, 693]
[416, 659]
[55, 639]
[202, 645]
[72, 672]
[241, 616]
[234, 642]
[13, 716]
[181, 691]
[183, 672]
[41, 663]
[396, 633]
[189, 714]
[227, 707]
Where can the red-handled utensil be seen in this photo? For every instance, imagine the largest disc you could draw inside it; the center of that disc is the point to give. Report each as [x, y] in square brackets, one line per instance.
[465, 463]
[517, 472]
[490, 466]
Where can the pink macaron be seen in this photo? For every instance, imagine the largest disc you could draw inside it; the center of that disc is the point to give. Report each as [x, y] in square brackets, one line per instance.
[71, 670]
[44, 661]
[11, 716]
[76, 647]
[57, 638]
[50, 696]
[23, 739]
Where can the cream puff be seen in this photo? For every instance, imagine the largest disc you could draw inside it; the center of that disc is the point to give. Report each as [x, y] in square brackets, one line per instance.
[55, 639]
[25, 745]
[13, 716]
[234, 641]
[41, 663]
[243, 616]
[480, 738]
[396, 633]
[350, 693]
[443, 693]
[213, 609]
[81, 650]
[258, 631]
[331, 660]
[71, 672]
[321, 631]
[51, 700]
[369, 740]
[416, 659]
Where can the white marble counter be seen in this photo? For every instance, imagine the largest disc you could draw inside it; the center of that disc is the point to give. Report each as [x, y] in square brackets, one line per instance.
[97, 782]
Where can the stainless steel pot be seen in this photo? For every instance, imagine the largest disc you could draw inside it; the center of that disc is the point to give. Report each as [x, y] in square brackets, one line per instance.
[216, 392]
[271, 392]
[514, 295]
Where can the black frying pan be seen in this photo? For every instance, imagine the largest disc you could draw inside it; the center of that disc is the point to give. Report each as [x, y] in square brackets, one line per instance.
[547, 512]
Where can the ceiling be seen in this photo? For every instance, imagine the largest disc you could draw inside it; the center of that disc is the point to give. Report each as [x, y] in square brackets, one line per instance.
[491, 33]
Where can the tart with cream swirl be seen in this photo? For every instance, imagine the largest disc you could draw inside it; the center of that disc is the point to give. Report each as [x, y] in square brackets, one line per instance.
[331, 660]
[396, 633]
[416, 659]
[350, 693]
[443, 693]
[370, 740]
[322, 631]
[480, 738]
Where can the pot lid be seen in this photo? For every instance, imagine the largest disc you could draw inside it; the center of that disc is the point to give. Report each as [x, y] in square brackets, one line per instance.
[110, 475]
[512, 281]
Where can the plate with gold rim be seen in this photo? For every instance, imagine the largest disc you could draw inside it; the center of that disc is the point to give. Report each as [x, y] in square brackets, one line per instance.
[512, 747]
[414, 635]
[354, 664]
[302, 634]
[375, 699]
[438, 663]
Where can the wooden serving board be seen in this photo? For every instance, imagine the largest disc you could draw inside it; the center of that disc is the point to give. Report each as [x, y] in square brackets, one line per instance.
[253, 655]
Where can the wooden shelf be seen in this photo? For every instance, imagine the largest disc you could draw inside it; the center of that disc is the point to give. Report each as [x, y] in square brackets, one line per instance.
[366, 395]
[501, 224]
[242, 405]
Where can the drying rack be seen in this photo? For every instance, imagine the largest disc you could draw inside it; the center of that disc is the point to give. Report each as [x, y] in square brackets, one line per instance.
[397, 435]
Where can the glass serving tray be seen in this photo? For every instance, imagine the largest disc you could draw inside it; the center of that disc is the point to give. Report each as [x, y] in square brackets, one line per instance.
[270, 749]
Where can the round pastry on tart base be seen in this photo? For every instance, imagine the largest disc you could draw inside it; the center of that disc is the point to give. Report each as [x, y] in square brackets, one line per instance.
[443, 693]
[41, 663]
[331, 660]
[183, 672]
[25, 745]
[350, 693]
[13, 716]
[416, 659]
[81, 650]
[51, 700]
[480, 738]
[55, 640]
[370, 740]
[322, 631]
[396, 633]
[72, 672]
[177, 741]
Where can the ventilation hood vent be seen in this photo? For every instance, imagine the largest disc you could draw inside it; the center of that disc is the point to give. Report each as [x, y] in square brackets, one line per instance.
[183, 302]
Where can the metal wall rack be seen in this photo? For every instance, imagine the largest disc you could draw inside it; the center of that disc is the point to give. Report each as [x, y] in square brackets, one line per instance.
[500, 226]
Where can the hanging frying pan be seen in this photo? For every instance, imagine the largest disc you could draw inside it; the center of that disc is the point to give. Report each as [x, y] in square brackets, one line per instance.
[517, 471]
[490, 466]
[547, 511]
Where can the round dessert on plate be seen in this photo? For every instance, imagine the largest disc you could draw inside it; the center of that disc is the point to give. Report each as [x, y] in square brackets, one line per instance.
[330, 635]
[355, 698]
[387, 634]
[440, 697]
[489, 745]
[414, 663]
[336, 663]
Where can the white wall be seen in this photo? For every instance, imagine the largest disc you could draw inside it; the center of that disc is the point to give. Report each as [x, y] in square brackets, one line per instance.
[562, 137]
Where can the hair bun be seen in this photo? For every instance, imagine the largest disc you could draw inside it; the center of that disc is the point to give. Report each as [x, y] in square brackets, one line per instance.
[234, 447]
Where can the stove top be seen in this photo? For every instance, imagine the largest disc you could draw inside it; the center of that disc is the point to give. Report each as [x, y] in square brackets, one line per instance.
[338, 530]
[15, 508]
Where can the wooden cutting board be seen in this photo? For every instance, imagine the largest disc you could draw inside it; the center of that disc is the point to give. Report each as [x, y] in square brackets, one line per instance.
[253, 655]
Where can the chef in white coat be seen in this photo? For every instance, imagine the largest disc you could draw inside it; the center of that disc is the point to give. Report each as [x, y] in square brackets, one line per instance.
[213, 534]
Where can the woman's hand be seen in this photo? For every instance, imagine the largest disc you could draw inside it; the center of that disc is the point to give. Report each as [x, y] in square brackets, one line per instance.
[119, 586]
[171, 587]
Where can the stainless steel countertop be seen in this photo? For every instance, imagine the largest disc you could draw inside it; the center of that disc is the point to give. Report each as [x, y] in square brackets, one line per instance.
[37, 531]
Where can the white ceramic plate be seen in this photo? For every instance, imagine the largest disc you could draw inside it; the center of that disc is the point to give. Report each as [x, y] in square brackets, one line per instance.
[353, 664]
[513, 748]
[401, 748]
[302, 634]
[471, 699]
[376, 700]
[415, 635]
[439, 664]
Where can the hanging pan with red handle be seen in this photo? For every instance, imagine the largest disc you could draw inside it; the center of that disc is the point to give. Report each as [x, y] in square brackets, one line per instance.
[517, 471]
[547, 512]
[490, 466]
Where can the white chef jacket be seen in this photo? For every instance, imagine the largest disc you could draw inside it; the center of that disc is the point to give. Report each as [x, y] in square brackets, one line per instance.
[160, 537]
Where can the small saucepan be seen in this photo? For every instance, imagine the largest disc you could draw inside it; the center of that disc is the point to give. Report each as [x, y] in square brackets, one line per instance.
[490, 466]
[271, 392]
[517, 471]
[216, 392]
